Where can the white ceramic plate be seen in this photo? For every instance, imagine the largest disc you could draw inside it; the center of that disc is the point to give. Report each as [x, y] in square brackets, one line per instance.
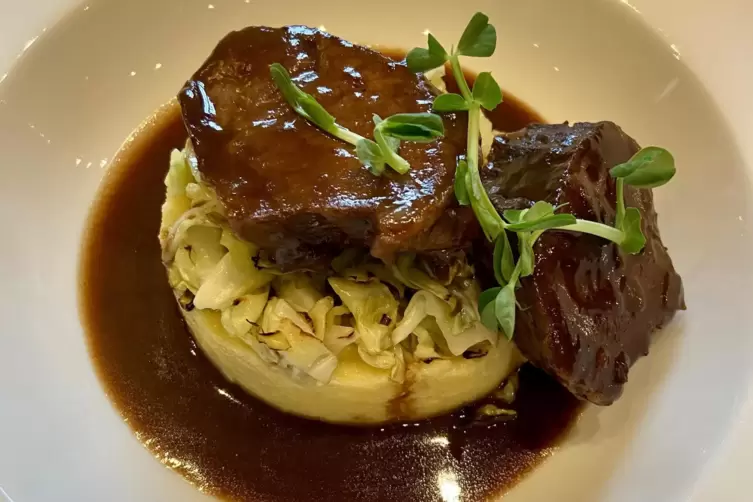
[97, 70]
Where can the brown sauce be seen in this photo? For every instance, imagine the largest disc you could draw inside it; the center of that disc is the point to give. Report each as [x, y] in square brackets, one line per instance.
[228, 443]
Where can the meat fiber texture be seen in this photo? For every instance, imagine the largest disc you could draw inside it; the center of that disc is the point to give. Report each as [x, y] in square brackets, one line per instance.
[292, 189]
[588, 311]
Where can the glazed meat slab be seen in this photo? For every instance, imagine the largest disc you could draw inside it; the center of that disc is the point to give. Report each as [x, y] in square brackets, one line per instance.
[297, 192]
[588, 311]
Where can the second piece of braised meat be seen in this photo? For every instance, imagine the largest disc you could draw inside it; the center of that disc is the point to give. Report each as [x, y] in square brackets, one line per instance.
[588, 311]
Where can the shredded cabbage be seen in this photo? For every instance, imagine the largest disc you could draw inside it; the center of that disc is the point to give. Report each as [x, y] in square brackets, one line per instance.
[298, 289]
[199, 194]
[474, 335]
[245, 312]
[293, 319]
[275, 341]
[425, 349]
[460, 331]
[234, 276]
[487, 133]
[310, 355]
[190, 155]
[276, 312]
[301, 349]
[265, 352]
[436, 77]
[387, 276]
[318, 314]
[172, 238]
[374, 309]
[415, 278]
[176, 201]
[337, 335]
[205, 249]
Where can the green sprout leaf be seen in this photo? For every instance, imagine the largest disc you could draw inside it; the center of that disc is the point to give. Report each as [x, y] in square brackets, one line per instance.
[486, 91]
[449, 103]
[488, 315]
[540, 216]
[420, 127]
[436, 49]
[504, 310]
[651, 167]
[503, 261]
[391, 157]
[370, 156]
[544, 223]
[421, 60]
[486, 297]
[540, 209]
[484, 210]
[514, 215]
[634, 240]
[303, 103]
[479, 38]
[393, 143]
[525, 254]
[461, 190]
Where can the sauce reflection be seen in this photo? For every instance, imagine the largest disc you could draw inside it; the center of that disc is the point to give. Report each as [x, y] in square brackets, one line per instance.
[449, 489]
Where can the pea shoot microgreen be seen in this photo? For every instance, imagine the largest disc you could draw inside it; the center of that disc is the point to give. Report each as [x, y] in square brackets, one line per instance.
[375, 154]
[651, 167]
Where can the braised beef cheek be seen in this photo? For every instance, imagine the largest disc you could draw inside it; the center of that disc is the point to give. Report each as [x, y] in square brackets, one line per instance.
[291, 188]
[588, 311]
